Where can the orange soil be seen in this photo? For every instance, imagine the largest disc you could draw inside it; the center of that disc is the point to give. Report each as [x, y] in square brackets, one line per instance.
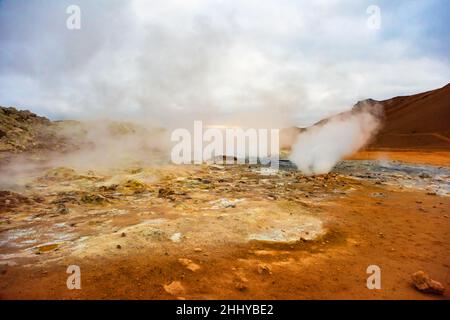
[401, 232]
[391, 233]
[437, 158]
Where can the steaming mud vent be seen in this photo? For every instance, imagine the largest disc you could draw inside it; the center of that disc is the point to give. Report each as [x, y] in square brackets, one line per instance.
[213, 228]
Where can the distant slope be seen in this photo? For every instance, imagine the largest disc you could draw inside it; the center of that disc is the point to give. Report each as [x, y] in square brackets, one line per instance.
[416, 122]
[25, 135]
[420, 121]
[20, 129]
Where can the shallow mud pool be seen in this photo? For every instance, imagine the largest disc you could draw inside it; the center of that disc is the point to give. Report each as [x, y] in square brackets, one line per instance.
[233, 231]
[432, 178]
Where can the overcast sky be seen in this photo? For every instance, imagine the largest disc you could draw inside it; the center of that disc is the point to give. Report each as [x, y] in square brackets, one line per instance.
[289, 62]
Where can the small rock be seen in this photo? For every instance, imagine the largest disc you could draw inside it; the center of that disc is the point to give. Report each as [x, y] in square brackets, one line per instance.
[264, 269]
[175, 288]
[176, 237]
[39, 199]
[119, 246]
[123, 234]
[225, 203]
[240, 286]
[198, 249]
[377, 195]
[93, 199]
[425, 284]
[62, 209]
[424, 175]
[189, 264]
[165, 193]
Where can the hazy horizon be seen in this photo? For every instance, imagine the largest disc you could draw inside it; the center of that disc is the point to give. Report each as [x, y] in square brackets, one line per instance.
[264, 63]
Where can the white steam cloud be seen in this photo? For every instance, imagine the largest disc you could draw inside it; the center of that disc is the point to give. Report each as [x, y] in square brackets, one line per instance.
[250, 63]
[321, 146]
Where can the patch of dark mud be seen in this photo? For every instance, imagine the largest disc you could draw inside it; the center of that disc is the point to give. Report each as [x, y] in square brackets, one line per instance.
[434, 179]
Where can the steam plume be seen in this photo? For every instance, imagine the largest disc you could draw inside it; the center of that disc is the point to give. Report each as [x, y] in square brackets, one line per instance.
[321, 146]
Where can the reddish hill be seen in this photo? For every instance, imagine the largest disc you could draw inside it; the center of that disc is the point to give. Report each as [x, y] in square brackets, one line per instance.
[420, 121]
[416, 122]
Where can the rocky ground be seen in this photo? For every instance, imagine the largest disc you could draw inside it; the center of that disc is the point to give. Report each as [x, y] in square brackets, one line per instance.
[101, 196]
[234, 231]
[19, 129]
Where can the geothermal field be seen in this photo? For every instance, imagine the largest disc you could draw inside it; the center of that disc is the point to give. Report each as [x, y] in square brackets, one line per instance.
[140, 227]
[215, 158]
